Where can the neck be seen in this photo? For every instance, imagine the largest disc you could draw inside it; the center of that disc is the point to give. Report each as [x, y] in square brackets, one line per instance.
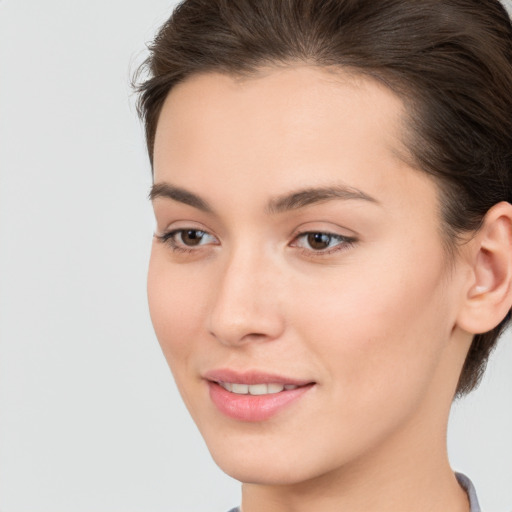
[408, 471]
[420, 480]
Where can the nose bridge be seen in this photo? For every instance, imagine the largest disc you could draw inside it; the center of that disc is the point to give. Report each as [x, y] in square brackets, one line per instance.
[245, 305]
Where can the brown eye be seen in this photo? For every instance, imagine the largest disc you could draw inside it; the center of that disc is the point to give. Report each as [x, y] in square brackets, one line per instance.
[192, 237]
[322, 243]
[187, 240]
[319, 241]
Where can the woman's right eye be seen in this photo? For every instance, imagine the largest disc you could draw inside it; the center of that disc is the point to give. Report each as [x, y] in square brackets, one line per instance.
[187, 239]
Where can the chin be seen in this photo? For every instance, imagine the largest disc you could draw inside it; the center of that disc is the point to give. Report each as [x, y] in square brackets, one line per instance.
[267, 465]
[262, 472]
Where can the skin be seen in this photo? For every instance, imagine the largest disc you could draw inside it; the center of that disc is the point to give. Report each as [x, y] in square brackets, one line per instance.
[374, 320]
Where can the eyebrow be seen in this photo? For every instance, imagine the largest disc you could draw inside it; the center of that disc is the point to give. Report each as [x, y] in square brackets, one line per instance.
[291, 201]
[180, 195]
[314, 195]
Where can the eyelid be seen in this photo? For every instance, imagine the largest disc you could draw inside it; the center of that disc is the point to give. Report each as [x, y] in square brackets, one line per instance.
[345, 240]
[326, 233]
[326, 227]
[168, 238]
[178, 223]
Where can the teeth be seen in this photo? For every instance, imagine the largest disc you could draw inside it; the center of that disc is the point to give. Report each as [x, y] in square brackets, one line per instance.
[256, 389]
[240, 389]
[275, 388]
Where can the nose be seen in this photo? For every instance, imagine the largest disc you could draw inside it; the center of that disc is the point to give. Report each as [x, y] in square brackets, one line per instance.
[246, 304]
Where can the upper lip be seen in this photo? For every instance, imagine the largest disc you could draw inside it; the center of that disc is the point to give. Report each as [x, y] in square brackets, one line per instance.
[252, 377]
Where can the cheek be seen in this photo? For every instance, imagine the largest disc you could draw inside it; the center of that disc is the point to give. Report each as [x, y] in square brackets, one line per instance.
[379, 329]
[175, 306]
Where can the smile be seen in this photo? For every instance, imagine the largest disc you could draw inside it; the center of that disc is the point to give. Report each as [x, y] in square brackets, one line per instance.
[256, 389]
[254, 396]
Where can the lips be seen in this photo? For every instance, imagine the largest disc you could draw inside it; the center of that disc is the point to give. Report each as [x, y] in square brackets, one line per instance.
[253, 396]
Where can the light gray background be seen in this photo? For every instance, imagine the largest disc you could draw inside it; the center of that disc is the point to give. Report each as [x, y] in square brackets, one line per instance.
[90, 420]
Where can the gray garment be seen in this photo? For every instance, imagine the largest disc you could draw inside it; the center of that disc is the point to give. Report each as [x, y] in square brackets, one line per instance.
[468, 486]
[464, 482]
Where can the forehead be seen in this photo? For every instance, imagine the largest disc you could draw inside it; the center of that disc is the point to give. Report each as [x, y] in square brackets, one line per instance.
[302, 105]
[283, 128]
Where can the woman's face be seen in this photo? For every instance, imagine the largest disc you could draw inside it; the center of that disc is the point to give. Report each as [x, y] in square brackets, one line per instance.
[298, 282]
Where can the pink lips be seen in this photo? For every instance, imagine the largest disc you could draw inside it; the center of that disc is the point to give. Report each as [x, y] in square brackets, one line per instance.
[253, 408]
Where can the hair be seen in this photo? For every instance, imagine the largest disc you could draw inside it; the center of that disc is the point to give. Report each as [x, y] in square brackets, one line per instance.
[450, 61]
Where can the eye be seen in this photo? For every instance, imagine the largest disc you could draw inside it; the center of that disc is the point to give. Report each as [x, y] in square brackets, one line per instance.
[187, 239]
[320, 242]
[191, 237]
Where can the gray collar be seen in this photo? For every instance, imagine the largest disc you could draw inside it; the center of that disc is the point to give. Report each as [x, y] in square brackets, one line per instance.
[468, 486]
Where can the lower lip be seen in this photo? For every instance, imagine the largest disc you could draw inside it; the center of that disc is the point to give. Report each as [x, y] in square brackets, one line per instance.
[253, 407]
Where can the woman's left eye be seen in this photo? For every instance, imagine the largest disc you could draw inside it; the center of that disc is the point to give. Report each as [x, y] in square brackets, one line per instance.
[320, 242]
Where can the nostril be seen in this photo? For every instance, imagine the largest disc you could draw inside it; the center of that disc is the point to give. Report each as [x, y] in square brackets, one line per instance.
[238, 335]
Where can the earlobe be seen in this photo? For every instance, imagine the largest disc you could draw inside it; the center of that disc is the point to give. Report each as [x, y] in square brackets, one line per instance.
[489, 290]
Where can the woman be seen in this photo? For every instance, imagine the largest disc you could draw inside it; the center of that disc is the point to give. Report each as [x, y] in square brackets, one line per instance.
[332, 262]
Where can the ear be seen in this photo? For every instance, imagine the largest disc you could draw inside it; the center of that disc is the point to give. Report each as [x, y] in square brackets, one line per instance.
[488, 291]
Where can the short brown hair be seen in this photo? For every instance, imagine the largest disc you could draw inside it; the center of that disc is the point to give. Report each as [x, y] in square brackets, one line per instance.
[449, 60]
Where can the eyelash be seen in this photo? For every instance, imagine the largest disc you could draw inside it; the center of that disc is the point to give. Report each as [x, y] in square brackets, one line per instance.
[345, 242]
[169, 239]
